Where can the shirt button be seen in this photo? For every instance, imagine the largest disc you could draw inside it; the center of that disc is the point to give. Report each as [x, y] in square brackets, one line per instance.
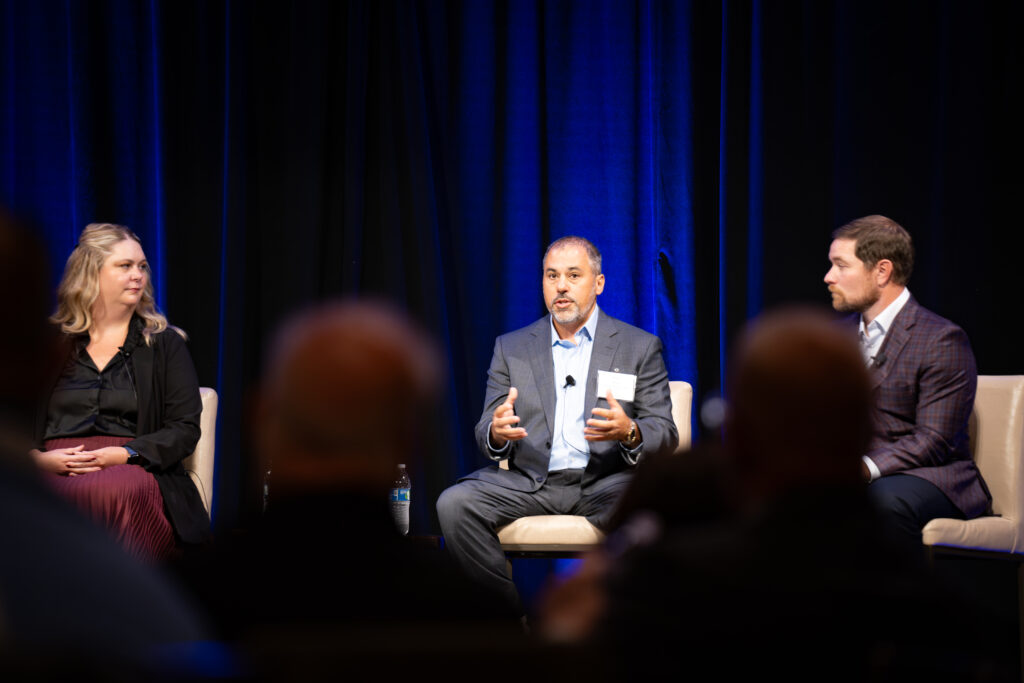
[547, 444]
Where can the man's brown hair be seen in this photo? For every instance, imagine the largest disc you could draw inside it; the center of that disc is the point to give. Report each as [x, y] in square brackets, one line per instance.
[877, 238]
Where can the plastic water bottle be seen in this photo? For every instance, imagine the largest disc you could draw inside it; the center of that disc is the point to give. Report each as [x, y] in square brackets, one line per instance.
[400, 500]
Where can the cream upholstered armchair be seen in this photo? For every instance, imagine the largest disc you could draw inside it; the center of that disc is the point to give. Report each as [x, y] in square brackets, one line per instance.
[997, 441]
[199, 465]
[569, 535]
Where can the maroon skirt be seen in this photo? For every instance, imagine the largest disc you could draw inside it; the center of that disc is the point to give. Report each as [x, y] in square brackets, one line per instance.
[125, 499]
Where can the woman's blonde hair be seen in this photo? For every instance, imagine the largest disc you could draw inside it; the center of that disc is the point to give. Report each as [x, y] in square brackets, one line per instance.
[80, 286]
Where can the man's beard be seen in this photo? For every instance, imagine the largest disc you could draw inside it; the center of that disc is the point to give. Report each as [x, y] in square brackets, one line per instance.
[569, 316]
[846, 305]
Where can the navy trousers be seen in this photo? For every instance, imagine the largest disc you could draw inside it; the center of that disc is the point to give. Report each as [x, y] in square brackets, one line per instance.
[906, 504]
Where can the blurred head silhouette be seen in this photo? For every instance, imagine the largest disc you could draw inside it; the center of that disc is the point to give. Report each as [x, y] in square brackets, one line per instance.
[347, 393]
[800, 405]
[27, 345]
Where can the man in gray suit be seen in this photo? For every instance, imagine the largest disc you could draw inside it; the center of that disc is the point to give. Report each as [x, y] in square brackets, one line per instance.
[573, 402]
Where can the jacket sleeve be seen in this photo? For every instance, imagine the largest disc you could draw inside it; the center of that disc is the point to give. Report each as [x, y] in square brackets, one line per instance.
[935, 415]
[171, 433]
[652, 404]
[498, 385]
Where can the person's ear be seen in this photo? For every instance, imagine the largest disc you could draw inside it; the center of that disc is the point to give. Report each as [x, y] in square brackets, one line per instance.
[883, 272]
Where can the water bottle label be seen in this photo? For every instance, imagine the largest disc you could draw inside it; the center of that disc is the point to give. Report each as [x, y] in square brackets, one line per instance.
[399, 495]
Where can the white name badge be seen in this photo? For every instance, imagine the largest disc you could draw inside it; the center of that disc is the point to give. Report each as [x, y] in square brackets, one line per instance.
[622, 386]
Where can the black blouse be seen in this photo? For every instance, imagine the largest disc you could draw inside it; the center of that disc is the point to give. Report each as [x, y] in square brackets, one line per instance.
[88, 402]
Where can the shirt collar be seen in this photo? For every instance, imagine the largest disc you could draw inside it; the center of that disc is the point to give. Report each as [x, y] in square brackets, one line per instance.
[131, 341]
[884, 319]
[587, 329]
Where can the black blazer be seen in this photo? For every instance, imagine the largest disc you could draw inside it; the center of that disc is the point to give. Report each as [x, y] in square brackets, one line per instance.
[168, 424]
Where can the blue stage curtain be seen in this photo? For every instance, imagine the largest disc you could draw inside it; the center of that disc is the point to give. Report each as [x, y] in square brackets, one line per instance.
[81, 119]
[573, 118]
[276, 153]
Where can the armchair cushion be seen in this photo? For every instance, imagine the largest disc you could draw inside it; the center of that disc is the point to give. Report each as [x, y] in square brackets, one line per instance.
[997, 441]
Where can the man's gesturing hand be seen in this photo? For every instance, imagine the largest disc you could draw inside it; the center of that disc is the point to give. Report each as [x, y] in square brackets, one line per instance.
[503, 424]
[613, 427]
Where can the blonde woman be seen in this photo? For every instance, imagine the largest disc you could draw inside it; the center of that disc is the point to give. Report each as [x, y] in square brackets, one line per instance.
[122, 408]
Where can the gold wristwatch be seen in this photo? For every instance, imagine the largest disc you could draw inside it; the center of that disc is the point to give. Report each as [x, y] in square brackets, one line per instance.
[631, 437]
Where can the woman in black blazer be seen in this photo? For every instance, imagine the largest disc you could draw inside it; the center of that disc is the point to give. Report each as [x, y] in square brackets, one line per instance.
[123, 406]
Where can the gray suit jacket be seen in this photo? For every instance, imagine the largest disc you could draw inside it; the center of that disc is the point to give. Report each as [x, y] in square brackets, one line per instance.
[523, 359]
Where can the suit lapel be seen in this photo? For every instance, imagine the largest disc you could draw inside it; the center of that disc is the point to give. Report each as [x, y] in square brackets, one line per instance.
[601, 357]
[895, 340]
[543, 366]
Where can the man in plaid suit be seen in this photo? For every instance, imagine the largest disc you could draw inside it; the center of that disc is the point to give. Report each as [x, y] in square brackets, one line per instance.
[919, 463]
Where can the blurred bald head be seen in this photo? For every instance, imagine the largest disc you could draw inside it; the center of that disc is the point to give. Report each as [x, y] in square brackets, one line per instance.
[346, 393]
[800, 404]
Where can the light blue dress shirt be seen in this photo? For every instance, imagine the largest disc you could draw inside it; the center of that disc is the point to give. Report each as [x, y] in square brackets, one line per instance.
[873, 336]
[569, 450]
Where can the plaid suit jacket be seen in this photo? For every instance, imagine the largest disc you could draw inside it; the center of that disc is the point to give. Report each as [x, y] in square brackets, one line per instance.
[925, 379]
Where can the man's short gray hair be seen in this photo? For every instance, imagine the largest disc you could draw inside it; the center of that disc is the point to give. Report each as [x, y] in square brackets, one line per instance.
[593, 255]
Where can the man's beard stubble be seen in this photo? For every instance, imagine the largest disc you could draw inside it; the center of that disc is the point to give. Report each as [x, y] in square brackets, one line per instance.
[845, 305]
